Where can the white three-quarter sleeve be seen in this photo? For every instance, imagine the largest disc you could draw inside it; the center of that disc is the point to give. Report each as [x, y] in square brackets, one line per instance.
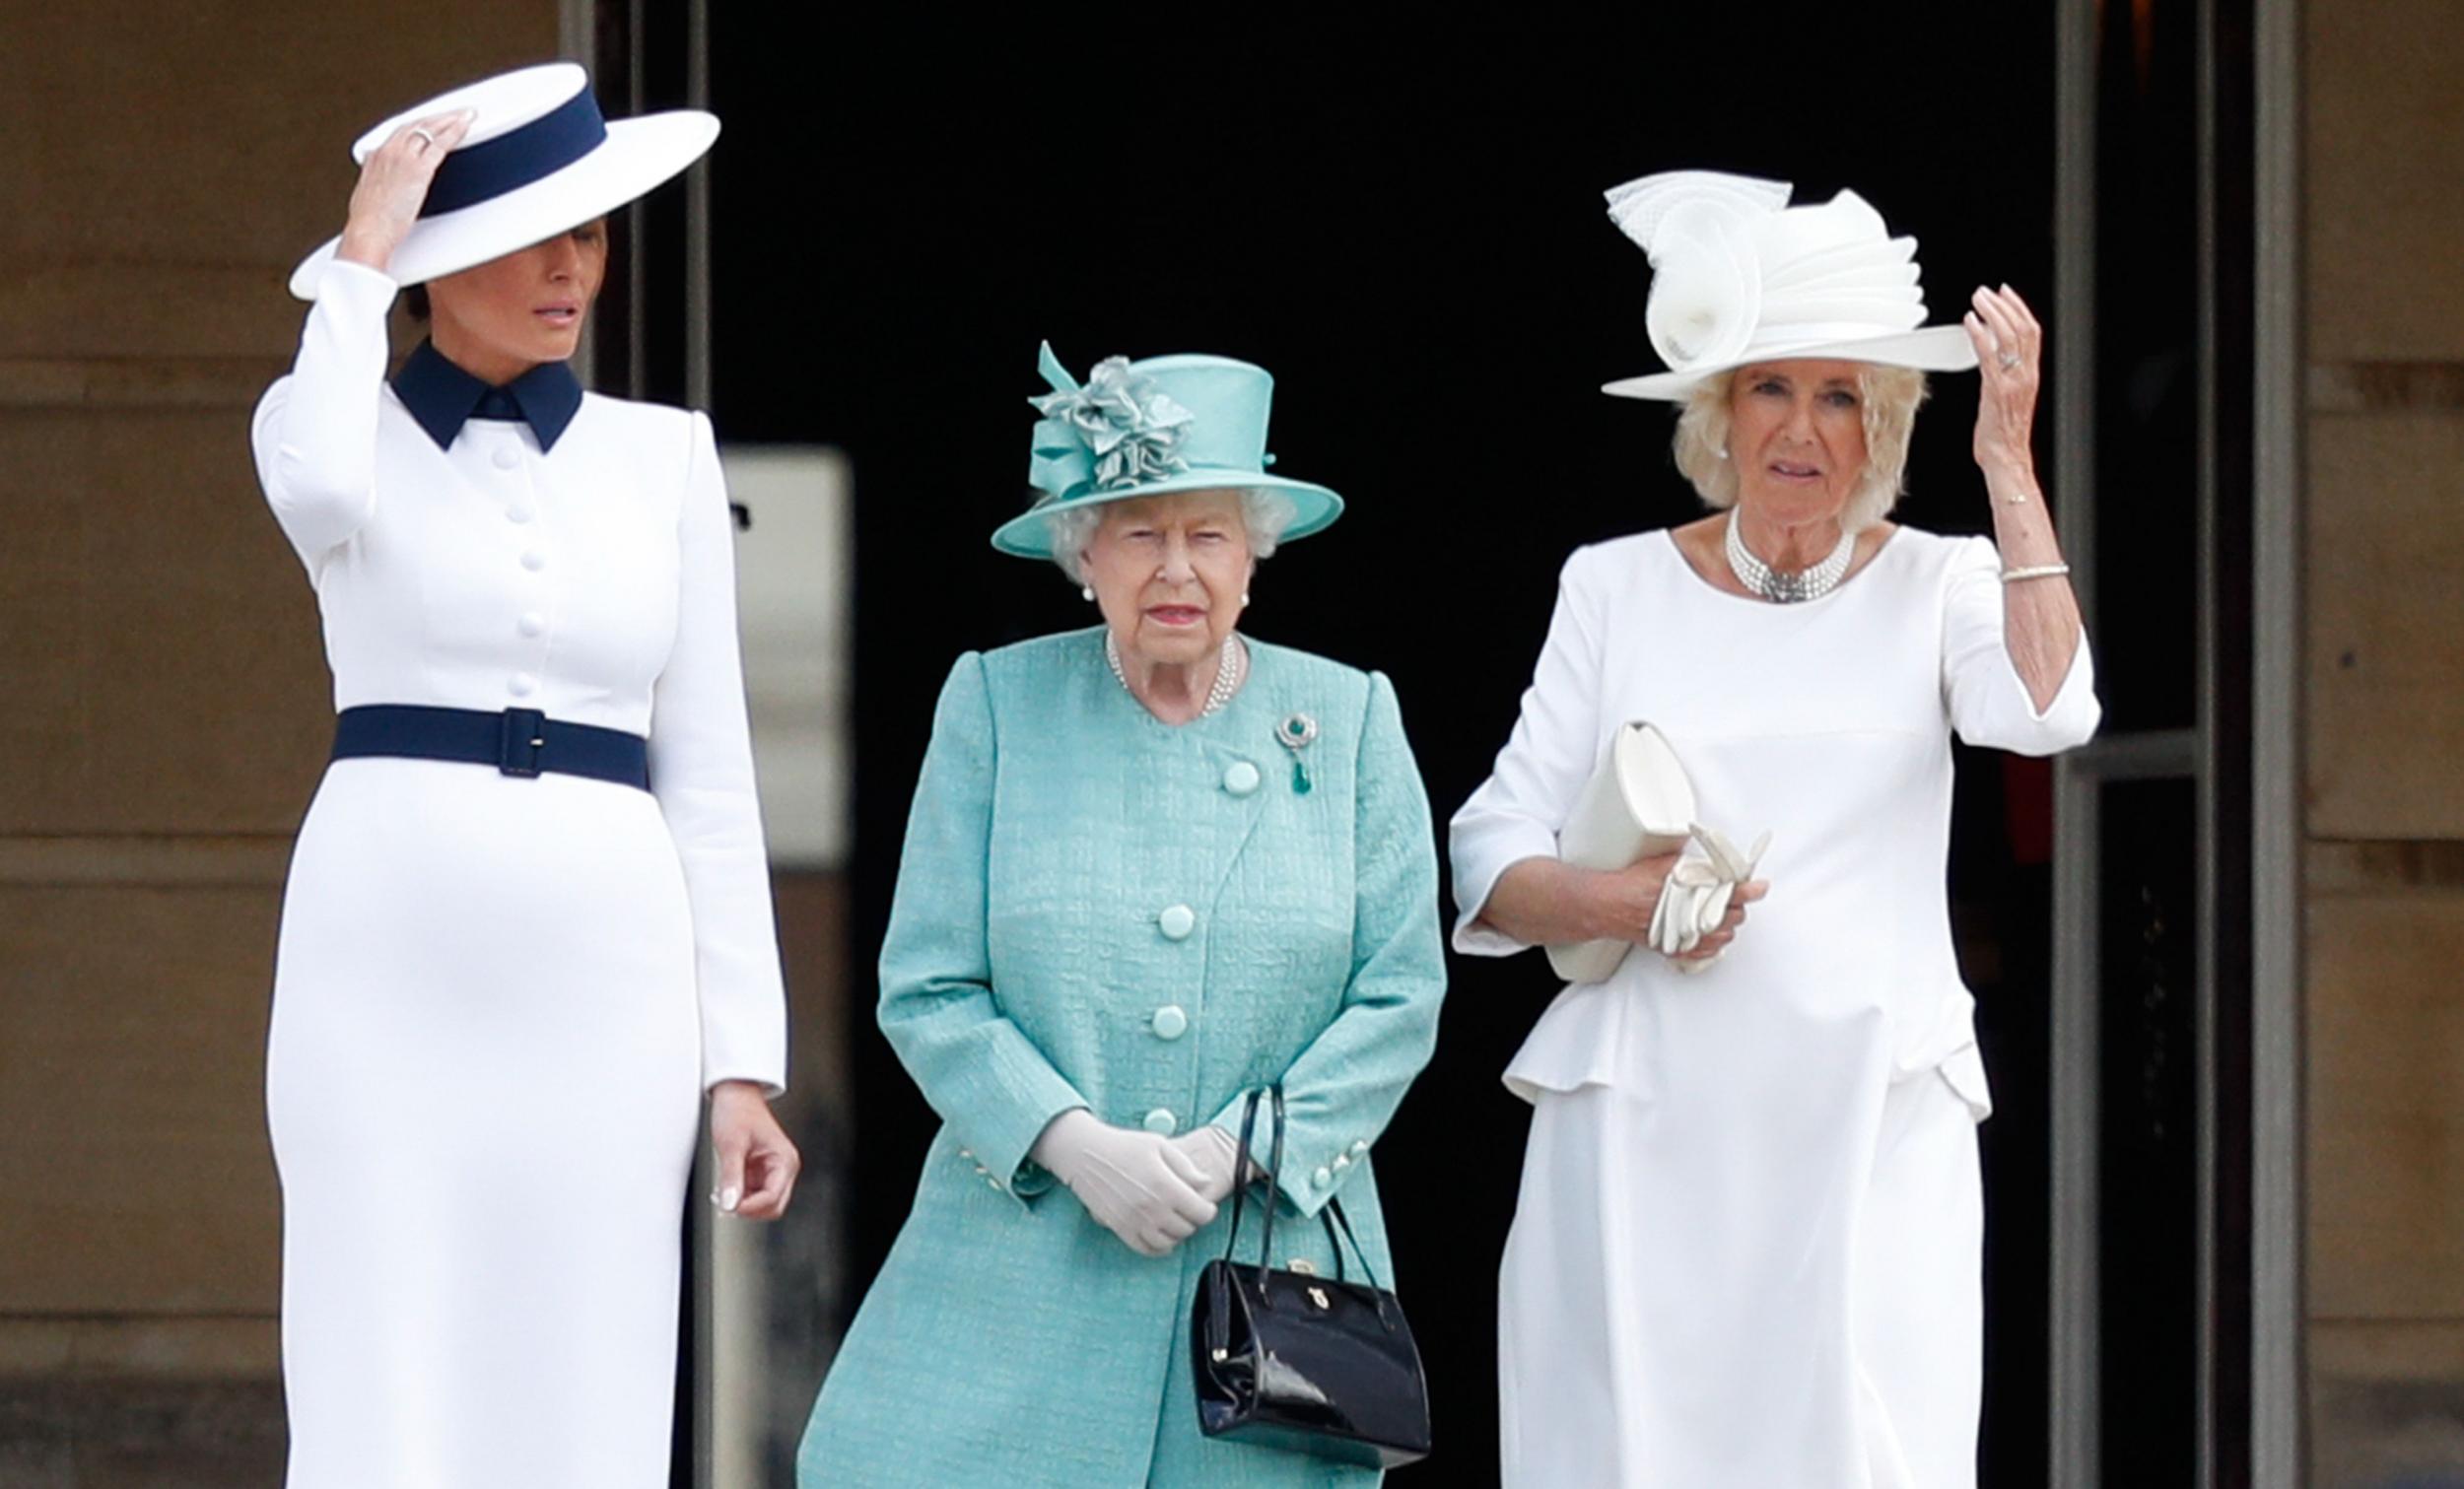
[1517, 812]
[702, 771]
[316, 430]
[1989, 703]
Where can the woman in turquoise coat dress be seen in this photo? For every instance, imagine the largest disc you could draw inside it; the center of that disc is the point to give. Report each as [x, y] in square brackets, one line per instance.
[1152, 867]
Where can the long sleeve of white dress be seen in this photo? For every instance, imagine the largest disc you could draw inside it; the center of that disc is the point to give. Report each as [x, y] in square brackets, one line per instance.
[702, 771]
[1517, 813]
[315, 433]
[1988, 702]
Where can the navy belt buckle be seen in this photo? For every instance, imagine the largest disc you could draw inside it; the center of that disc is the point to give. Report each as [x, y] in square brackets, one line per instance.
[526, 734]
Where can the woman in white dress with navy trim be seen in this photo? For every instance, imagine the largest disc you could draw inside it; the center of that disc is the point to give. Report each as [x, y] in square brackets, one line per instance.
[527, 922]
[1748, 1250]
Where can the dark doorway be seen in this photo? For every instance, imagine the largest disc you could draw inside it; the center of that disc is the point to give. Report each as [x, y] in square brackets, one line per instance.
[1406, 227]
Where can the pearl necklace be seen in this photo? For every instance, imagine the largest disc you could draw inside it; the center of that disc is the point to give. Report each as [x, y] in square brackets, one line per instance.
[1228, 672]
[1788, 588]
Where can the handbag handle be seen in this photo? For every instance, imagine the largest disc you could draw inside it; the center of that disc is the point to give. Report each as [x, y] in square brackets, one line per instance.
[1331, 1215]
[1239, 1188]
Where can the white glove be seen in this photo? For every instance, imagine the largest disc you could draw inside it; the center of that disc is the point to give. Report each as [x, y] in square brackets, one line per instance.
[1695, 899]
[1217, 1155]
[1137, 1185]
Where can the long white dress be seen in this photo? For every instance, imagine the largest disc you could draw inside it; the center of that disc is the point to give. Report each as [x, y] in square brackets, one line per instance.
[1747, 1254]
[499, 999]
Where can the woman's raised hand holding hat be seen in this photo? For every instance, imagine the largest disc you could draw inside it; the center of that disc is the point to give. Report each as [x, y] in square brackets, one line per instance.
[2010, 346]
[393, 185]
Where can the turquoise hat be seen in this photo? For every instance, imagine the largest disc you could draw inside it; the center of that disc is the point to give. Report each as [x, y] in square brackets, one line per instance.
[1149, 429]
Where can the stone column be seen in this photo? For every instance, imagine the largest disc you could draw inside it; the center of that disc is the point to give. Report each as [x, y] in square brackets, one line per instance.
[2383, 116]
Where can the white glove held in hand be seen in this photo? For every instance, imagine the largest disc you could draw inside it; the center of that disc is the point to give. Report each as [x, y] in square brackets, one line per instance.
[1217, 1155]
[1695, 899]
[1137, 1185]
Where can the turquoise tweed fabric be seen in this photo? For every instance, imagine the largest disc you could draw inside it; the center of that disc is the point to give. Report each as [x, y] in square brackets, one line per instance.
[1096, 909]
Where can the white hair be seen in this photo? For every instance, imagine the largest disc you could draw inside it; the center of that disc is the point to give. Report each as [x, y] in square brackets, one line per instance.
[1265, 513]
[1886, 398]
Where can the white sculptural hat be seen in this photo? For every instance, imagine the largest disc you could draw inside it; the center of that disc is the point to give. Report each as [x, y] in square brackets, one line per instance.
[1740, 276]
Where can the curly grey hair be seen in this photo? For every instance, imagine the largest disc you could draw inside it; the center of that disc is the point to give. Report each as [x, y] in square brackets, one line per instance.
[1265, 513]
[1886, 397]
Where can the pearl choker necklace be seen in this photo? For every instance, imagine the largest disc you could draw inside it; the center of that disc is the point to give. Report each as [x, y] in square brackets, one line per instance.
[1788, 588]
[1227, 674]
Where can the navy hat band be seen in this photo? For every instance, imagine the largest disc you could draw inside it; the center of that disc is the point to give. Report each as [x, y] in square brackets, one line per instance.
[513, 160]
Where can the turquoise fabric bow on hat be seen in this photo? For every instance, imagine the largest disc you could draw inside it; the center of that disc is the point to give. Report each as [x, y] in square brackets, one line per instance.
[1113, 432]
[1149, 429]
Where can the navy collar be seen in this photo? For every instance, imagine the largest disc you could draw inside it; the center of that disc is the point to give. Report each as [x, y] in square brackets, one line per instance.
[443, 397]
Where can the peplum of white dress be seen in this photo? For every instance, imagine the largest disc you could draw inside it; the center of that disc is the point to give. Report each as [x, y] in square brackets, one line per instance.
[1747, 1248]
[498, 999]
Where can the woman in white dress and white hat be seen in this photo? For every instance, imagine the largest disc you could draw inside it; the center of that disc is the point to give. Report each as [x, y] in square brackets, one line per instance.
[527, 922]
[1748, 1250]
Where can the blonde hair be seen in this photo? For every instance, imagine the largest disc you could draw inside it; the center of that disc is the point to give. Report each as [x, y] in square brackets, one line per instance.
[1887, 403]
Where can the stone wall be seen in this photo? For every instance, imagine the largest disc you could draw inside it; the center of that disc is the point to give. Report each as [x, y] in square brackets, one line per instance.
[2383, 126]
[167, 705]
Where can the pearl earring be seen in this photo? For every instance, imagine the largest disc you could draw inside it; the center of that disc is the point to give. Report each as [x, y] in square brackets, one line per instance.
[1086, 592]
[1244, 599]
[1723, 452]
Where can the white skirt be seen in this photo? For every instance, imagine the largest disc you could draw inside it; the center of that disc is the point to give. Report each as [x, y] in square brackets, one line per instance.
[483, 1085]
[1682, 1308]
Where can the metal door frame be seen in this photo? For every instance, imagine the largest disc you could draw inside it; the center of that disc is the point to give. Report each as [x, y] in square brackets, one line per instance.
[2273, 1234]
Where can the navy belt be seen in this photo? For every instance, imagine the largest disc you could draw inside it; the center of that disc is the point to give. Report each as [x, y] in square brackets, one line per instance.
[518, 741]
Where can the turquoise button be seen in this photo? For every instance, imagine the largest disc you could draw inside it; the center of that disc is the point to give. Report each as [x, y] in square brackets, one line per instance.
[1177, 922]
[1162, 1122]
[1169, 1022]
[1242, 778]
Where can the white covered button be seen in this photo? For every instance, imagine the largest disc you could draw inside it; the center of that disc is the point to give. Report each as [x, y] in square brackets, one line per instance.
[1162, 1122]
[523, 685]
[506, 457]
[517, 512]
[1177, 922]
[532, 623]
[1343, 1161]
[534, 560]
[1360, 1147]
[1323, 1178]
[1241, 778]
[1169, 1022]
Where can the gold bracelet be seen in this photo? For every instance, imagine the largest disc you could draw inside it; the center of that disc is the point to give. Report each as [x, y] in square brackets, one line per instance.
[2038, 572]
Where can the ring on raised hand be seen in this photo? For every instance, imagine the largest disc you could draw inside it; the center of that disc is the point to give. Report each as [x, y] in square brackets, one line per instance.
[2010, 359]
[424, 137]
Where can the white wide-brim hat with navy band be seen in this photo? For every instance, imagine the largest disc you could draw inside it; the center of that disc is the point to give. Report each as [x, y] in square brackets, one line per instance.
[539, 160]
[1738, 276]
[1150, 429]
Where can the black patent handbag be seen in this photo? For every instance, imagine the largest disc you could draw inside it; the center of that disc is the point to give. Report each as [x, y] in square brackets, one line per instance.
[1292, 1360]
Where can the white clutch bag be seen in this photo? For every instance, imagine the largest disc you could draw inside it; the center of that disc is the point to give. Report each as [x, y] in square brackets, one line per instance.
[1638, 804]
